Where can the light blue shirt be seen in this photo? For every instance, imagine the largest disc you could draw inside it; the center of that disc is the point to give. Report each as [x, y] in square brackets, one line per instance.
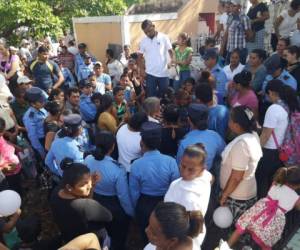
[113, 180]
[152, 175]
[218, 119]
[85, 71]
[285, 77]
[88, 109]
[211, 140]
[104, 78]
[33, 121]
[60, 149]
[221, 80]
[69, 78]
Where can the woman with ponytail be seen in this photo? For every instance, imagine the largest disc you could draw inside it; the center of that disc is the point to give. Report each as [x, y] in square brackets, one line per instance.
[239, 163]
[284, 102]
[172, 227]
[266, 220]
[73, 210]
[112, 192]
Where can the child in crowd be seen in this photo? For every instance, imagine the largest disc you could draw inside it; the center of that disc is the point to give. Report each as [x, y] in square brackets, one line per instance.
[96, 99]
[183, 100]
[192, 190]
[189, 86]
[265, 221]
[119, 102]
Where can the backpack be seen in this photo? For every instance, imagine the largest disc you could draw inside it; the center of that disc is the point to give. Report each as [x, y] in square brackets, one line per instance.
[289, 151]
[49, 65]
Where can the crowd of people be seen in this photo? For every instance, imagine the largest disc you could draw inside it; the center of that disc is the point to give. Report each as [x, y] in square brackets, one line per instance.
[137, 140]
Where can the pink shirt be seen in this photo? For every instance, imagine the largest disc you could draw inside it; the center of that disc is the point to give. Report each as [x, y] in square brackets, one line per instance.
[8, 156]
[249, 100]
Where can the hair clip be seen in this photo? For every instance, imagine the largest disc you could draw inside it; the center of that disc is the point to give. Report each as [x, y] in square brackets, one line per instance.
[249, 113]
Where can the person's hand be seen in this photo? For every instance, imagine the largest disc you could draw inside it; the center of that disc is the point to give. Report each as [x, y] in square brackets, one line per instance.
[96, 177]
[223, 200]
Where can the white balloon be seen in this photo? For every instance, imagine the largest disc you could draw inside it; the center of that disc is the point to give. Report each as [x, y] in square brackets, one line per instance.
[10, 202]
[223, 217]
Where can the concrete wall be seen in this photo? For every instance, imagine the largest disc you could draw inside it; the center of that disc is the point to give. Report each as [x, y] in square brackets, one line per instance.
[98, 35]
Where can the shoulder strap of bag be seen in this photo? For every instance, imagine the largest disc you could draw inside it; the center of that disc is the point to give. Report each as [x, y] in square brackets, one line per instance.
[275, 139]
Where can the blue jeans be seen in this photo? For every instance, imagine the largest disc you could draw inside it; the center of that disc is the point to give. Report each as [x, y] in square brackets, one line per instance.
[183, 75]
[156, 86]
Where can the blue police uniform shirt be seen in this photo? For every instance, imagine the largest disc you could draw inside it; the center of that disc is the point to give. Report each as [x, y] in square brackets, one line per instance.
[85, 71]
[218, 119]
[152, 175]
[113, 180]
[221, 80]
[88, 109]
[60, 149]
[33, 121]
[212, 141]
[285, 77]
[69, 78]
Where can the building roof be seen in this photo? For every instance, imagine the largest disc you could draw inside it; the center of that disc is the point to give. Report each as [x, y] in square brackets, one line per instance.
[156, 6]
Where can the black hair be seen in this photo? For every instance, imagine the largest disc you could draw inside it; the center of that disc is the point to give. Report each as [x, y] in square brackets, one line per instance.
[261, 54]
[290, 175]
[285, 40]
[295, 4]
[82, 46]
[189, 80]
[136, 121]
[110, 52]
[236, 51]
[53, 107]
[72, 171]
[168, 97]
[29, 229]
[124, 75]
[71, 43]
[43, 49]
[72, 90]
[171, 114]
[104, 142]
[145, 24]
[196, 150]
[210, 40]
[134, 56]
[176, 222]
[53, 93]
[152, 143]
[286, 93]
[244, 117]
[243, 78]
[96, 96]
[204, 92]
[294, 50]
[126, 46]
[117, 89]
[106, 102]
[2, 125]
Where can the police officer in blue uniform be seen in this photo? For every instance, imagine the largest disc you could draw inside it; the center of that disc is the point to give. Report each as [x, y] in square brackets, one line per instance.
[112, 191]
[87, 107]
[65, 145]
[34, 118]
[211, 62]
[150, 175]
[275, 66]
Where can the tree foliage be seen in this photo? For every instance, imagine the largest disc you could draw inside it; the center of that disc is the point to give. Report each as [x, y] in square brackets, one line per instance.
[41, 17]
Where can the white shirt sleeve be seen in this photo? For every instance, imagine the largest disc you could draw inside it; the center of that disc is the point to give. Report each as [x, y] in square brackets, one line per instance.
[168, 43]
[271, 116]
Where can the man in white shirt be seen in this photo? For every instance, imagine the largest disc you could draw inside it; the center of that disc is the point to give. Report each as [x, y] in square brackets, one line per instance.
[157, 51]
[24, 50]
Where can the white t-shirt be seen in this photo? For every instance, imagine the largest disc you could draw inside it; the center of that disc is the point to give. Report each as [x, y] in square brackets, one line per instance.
[73, 50]
[288, 24]
[223, 20]
[193, 195]
[230, 74]
[156, 54]
[128, 146]
[100, 88]
[115, 69]
[276, 118]
[295, 38]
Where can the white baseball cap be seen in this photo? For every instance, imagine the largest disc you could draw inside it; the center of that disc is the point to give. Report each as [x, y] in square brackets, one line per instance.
[23, 79]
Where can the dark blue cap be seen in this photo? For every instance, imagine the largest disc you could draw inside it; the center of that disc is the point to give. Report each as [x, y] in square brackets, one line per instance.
[35, 94]
[198, 112]
[210, 53]
[273, 63]
[84, 83]
[151, 130]
[72, 120]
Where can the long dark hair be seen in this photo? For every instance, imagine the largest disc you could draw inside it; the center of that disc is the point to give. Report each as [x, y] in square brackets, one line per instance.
[106, 102]
[104, 142]
[286, 93]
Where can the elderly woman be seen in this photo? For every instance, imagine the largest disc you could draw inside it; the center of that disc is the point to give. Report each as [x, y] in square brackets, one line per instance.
[152, 108]
[239, 163]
